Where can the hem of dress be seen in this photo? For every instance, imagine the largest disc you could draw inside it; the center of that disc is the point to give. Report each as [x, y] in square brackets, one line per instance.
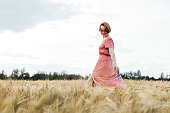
[97, 83]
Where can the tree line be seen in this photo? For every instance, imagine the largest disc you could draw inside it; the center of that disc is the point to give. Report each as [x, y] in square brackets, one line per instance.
[138, 76]
[40, 75]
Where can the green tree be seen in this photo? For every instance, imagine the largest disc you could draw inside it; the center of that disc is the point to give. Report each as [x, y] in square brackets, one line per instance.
[15, 74]
[138, 73]
[3, 75]
[162, 76]
[21, 76]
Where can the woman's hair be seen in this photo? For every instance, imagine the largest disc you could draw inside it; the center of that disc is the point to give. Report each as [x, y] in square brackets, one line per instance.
[107, 27]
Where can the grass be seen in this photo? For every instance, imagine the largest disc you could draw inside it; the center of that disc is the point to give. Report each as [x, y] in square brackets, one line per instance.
[63, 96]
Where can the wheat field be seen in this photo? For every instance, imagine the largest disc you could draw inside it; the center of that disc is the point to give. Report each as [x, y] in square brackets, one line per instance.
[75, 96]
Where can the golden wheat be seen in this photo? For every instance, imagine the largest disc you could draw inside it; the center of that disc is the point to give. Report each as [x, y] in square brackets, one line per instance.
[63, 96]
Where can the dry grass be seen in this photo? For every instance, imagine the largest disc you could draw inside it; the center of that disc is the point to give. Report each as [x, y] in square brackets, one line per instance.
[76, 97]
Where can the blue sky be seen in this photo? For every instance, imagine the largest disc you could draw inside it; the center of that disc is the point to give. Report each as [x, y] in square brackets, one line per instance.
[56, 35]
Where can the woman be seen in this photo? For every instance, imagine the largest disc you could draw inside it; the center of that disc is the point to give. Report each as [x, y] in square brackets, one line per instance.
[106, 70]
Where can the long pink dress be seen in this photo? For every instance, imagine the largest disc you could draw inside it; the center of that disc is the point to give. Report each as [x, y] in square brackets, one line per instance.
[104, 74]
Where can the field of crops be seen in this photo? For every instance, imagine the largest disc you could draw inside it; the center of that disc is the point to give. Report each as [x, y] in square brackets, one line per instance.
[62, 96]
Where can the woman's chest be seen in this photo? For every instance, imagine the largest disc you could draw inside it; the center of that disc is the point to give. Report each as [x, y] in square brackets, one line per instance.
[101, 46]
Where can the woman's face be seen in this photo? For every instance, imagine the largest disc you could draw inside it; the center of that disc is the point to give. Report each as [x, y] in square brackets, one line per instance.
[103, 32]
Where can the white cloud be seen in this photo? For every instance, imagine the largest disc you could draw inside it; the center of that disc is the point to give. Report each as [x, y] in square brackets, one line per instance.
[139, 32]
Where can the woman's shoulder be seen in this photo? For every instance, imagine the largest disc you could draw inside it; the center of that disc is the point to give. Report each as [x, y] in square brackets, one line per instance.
[109, 42]
[109, 38]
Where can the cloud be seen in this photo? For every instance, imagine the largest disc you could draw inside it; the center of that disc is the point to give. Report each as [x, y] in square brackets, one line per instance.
[149, 65]
[65, 32]
[19, 15]
[18, 55]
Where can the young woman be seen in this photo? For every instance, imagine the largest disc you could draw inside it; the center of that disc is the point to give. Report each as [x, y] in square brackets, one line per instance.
[106, 70]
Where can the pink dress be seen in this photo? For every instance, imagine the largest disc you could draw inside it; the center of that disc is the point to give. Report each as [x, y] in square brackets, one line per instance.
[104, 73]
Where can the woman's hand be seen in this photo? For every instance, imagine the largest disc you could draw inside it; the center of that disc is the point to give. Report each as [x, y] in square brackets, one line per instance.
[117, 68]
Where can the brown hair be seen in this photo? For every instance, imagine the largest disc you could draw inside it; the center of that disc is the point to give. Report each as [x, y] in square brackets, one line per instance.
[107, 27]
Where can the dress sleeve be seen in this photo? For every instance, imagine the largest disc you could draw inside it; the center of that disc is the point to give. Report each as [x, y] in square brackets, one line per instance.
[109, 43]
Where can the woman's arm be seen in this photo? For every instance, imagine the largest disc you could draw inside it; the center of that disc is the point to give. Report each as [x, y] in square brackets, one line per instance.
[112, 53]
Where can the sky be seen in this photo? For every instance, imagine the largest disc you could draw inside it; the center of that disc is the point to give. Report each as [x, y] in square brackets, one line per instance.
[57, 35]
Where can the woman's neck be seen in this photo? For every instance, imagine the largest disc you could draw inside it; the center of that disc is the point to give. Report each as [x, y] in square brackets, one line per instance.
[104, 37]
